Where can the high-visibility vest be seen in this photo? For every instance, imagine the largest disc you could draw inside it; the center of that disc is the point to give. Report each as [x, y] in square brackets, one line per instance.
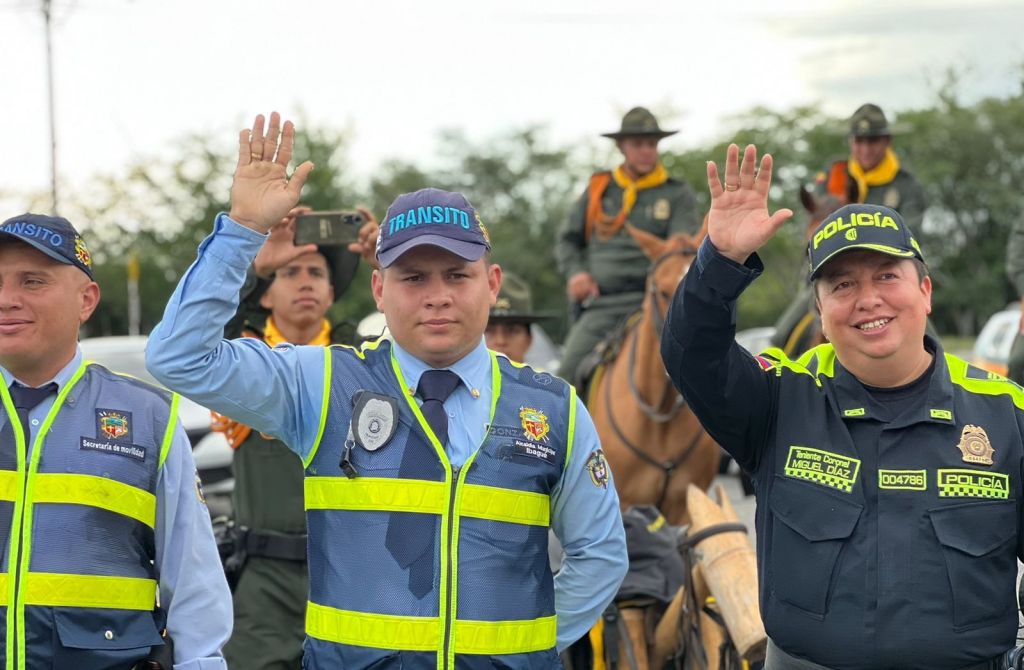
[78, 587]
[492, 592]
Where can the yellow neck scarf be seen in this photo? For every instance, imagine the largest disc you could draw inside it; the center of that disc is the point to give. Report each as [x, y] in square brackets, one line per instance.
[237, 432]
[883, 173]
[273, 336]
[607, 226]
[630, 188]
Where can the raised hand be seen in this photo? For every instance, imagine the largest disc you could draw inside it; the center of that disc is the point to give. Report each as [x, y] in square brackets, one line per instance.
[262, 194]
[279, 250]
[739, 223]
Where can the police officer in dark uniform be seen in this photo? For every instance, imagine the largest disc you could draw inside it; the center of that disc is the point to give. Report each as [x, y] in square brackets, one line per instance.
[888, 472]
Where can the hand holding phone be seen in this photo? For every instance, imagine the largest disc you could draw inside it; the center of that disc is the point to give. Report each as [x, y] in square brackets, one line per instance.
[328, 228]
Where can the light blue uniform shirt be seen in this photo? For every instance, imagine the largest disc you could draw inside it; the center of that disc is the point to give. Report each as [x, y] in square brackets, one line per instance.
[193, 590]
[280, 392]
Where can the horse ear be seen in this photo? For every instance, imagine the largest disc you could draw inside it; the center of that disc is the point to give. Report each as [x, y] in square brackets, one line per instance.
[652, 245]
[807, 199]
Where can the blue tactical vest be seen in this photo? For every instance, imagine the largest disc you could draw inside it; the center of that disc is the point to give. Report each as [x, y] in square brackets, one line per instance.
[78, 588]
[491, 602]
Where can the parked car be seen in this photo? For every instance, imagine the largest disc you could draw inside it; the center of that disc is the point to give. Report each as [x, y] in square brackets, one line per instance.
[992, 348]
[126, 354]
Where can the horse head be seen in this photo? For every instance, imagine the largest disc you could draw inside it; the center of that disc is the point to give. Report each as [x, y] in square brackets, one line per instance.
[670, 259]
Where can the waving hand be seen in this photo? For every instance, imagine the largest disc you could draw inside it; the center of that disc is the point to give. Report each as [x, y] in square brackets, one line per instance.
[739, 223]
[262, 194]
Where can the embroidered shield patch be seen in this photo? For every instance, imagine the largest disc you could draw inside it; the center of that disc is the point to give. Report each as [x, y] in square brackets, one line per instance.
[535, 423]
[597, 467]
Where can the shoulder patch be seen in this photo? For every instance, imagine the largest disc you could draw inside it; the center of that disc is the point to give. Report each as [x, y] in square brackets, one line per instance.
[765, 363]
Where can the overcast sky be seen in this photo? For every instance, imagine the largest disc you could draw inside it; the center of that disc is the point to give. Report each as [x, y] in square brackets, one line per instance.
[131, 76]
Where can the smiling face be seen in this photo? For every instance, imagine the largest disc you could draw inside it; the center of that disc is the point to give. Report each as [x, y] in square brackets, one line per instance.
[874, 310]
[869, 151]
[436, 303]
[639, 153]
[42, 304]
[301, 292]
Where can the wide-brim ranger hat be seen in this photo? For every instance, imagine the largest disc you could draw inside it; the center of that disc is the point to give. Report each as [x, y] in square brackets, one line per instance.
[870, 227]
[869, 121]
[639, 122]
[432, 217]
[53, 236]
[515, 302]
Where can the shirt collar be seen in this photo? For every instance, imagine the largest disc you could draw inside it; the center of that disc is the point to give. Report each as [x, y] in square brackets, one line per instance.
[61, 378]
[474, 369]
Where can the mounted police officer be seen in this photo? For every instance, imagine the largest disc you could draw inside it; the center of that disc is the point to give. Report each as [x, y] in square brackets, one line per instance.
[604, 267]
[873, 173]
[433, 467]
[102, 511]
[511, 318]
[295, 288]
[888, 472]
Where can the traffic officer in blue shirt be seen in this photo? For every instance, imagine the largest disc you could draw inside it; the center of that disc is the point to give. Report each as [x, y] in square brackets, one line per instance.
[99, 491]
[887, 471]
[433, 466]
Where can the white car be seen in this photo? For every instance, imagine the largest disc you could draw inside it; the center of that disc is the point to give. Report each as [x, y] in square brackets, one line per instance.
[992, 348]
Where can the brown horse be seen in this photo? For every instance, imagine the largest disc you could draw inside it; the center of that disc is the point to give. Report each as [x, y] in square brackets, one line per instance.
[654, 443]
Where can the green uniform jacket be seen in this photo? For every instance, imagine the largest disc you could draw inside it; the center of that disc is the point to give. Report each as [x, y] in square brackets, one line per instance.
[904, 194]
[617, 264]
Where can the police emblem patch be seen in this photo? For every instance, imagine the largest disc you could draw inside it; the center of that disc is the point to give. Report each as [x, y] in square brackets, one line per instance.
[199, 490]
[891, 199]
[82, 252]
[374, 419]
[114, 424]
[974, 445]
[597, 467]
[662, 209]
[851, 234]
[535, 423]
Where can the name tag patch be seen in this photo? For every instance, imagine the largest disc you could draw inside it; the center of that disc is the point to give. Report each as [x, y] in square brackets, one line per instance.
[903, 480]
[534, 450]
[956, 483]
[822, 467]
[112, 447]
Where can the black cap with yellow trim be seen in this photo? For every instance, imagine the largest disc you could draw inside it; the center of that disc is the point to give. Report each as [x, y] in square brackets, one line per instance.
[870, 227]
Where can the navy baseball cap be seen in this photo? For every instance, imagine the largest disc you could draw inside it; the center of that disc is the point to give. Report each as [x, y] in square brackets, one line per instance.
[870, 227]
[51, 235]
[431, 216]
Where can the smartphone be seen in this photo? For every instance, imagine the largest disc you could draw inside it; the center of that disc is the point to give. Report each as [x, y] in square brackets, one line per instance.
[328, 228]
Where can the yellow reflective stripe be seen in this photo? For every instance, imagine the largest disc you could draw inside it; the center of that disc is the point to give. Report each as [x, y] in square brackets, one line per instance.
[381, 631]
[376, 493]
[505, 637]
[326, 396]
[410, 633]
[570, 436]
[958, 375]
[56, 590]
[108, 494]
[172, 421]
[3, 589]
[8, 485]
[488, 502]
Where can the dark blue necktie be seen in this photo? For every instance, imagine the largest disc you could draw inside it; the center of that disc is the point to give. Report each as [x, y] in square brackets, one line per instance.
[410, 538]
[25, 400]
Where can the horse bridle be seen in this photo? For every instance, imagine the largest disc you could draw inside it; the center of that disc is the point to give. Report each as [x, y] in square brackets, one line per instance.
[668, 467]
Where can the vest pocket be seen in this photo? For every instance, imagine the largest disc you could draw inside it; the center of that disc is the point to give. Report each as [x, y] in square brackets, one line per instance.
[98, 639]
[809, 529]
[981, 567]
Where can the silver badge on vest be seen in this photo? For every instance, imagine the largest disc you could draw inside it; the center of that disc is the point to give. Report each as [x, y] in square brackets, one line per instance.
[374, 420]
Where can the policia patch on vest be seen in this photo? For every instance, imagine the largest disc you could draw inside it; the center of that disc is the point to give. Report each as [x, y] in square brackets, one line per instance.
[822, 467]
[956, 483]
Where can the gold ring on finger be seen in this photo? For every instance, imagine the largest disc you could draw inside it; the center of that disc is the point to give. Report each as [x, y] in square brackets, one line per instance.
[732, 187]
[256, 157]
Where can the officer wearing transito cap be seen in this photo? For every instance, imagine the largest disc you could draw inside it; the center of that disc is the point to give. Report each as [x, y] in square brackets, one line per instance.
[888, 472]
[433, 467]
[102, 511]
[604, 267]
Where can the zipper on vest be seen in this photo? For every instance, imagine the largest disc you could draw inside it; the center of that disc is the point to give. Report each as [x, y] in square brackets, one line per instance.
[448, 615]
